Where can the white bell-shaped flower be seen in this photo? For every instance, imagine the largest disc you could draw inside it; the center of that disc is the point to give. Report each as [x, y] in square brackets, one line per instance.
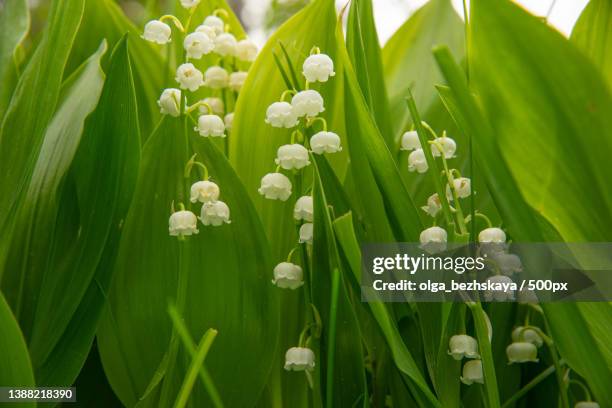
[236, 80]
[229, 120]
[215, 23]
[417, 161]
[292, 156]
[246, 50]
[586, 404]
[198, 44]
[299, 359]
[225, 44]
[410, 141]
[522, 352]
[157, 31]
[449, 147]
[188, 4]
[433, 239]
[433, 206]
[275, 186]
[306, 233]
[189, 77]
[183, 223]
[462, 345]
[208, 30]
[204, 191]
[503, 293]
[325, 142]
[521, 334]
[210, 125]
[288, 276]
[463, 187]
[307, 103]
[303, 209]
[215, 213]
[216, 77]
[527, 296]
[472, 373]
[216, 104]
[281, 115]
[492, 235]
[170, 102]
[318, 67]
[507, 263]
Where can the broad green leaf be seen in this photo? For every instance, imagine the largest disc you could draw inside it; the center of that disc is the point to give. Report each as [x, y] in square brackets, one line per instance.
[408, 63]
[32, 105]
[593, 35]
[14, 25]
[344, 231]
[364, 49]
[15, 366]
[224, 275]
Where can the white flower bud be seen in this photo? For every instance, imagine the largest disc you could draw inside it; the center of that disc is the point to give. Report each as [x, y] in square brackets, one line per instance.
[522, 352]
[210, 125]
[492, 235]
[417, 161]
[586, 404]
[433, 206]
[157, 32]
[170, 102]
[325, 142]
[197, 44]
[410, 141]
[299, 359]
[463, 187]
[183, 223]
[288, 276]
[215, 23]
[189, 77]
[281, 115]
[216, 104]
[303, 209]
[433, 239]
[318, 67]
[501, 294]
[292, 156]
[236, 80]
[189, 3]
[204, 191]
[275, 186]
[225, 44]
[520, 334]
[215, 213]
[472, 373]
[216, 77]
[229, 120]
[306, 233]
[462, 345]
[307, 103]
[209, 31]
[246, 50]
[507, 263]
[448, 147]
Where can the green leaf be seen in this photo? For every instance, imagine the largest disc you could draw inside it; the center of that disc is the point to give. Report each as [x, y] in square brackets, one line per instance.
[31, 108]
[408, 63]
[364, 49]
[593, 35]
[224, 275]
[15, 367]
[14, 25]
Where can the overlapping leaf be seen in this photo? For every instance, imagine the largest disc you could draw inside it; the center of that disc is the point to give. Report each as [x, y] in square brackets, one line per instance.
[14, 22]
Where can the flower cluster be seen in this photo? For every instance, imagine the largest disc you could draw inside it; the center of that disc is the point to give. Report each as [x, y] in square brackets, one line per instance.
[300, 113]
[463, 346]
[227, 74]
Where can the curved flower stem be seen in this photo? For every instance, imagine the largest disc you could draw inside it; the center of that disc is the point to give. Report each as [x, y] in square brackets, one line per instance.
[429, 129]
[451, 184]
[192, 162]
[291, 253]
[531, 384]
[564, 403]
[220, 13]
[315, 50]
[585, 389]
[311, 121]
[176, 21]
[287, 92]
[196, 105]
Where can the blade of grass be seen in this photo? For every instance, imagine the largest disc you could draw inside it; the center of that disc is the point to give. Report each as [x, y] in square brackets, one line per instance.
[531, 384]
[198, 360]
